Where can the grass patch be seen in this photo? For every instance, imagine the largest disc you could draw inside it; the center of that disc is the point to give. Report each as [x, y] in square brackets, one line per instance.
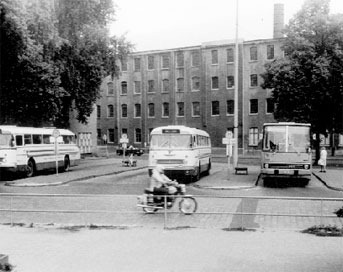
[321, 230]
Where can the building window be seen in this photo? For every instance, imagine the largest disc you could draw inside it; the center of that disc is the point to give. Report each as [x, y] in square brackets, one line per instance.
[98, 111]
[195, 58]
[195, 109]
[165, 62]
[215, 83]
[98, 133]
[230, 55]
[124, 65]
[179, 59]
[137, 86]
[270, 51]
[137, 64]
[123, 110]
[214, 55]
[110, 111]
[151, 110]
[253, 136]
[180, 109]
[111, 135]
[165, 109]
[138, 110]
[110, 88]
[230, 107]
[151, 63]
[138, 135]
[180, 84]
[253, 53]
[253, 80]
[124, 131]
[124, 87]
[215, 108]
[165, 85]
[151, 86]
[269, 105]
[230, 82]
[196, 83]
[253, 106]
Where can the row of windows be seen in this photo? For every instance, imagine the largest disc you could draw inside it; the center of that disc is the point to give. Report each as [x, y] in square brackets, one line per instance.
[195, 58]
[180, 109]
[28, 139]
[180, 86]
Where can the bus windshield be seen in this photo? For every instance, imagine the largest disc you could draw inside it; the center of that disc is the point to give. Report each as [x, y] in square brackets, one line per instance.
[168, 141]
[5, 140]
[286, 139]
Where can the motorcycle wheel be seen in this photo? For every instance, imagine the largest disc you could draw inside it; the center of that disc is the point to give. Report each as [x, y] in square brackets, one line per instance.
[188, 205]
[150, 209]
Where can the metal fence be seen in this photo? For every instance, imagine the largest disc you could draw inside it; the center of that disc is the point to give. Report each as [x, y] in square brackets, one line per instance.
[233, 212]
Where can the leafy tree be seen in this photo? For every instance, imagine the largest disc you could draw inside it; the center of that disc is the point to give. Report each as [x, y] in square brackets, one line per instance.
[27, 84]
[56, 54]
[308, 82]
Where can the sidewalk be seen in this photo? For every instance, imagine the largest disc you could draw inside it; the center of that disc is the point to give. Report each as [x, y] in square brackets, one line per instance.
[179, 250]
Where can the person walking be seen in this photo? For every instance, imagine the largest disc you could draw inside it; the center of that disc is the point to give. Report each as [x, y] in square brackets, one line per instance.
[322, 160]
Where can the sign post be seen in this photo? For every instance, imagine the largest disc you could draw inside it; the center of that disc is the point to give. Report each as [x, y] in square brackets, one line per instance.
[56, 134]
[228, 141]
[124, 141]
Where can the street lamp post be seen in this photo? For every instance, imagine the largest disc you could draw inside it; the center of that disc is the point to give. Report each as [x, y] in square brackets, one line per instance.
[235, 126]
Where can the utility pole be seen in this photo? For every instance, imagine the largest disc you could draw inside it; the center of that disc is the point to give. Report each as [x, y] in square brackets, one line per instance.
[235, 126]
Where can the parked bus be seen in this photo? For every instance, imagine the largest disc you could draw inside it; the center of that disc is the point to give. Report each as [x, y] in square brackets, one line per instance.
[181, 150]
[286, 151]
[29, 149]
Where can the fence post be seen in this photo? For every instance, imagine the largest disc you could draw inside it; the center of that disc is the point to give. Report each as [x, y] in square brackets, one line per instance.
[165, 211]
[11, 212]
[321, 211]
[242, 203]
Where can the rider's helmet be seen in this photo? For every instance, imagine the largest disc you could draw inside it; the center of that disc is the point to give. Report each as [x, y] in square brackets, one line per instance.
[159, 169]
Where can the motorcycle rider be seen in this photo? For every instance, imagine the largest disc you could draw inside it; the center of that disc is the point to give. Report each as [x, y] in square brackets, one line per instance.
[160, 184]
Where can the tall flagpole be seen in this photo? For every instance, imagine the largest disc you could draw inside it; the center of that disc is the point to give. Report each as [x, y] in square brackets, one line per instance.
[235, 126]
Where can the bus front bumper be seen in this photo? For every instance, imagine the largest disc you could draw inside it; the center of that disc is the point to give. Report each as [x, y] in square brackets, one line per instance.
[292, 173]
[178, 171]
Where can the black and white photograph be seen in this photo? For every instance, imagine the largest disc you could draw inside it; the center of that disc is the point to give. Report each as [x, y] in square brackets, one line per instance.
[171, 136]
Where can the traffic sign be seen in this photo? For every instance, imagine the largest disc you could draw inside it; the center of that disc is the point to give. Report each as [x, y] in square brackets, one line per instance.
[56, 133]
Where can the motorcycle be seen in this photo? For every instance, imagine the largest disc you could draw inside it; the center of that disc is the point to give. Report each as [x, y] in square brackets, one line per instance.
[151, 202]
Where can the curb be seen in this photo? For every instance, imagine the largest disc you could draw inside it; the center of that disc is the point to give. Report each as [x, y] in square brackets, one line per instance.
[13, 184]
[326, 185]
[225, 187]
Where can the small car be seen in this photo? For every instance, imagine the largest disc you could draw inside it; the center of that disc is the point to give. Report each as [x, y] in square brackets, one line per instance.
[130, 150]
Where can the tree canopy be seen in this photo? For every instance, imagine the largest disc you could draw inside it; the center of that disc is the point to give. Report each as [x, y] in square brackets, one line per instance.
[54, 55]
[307, 84]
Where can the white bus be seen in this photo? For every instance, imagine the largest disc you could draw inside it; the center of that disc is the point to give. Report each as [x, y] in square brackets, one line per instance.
[286, 151]
[181, 150]
[29, 149]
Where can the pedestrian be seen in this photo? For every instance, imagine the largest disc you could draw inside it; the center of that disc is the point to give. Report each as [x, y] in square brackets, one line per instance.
[104, 139]
[322, 160]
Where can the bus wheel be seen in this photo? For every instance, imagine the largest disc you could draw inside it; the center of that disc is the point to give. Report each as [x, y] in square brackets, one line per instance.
[207, 172]
[66, 165]
[30, 168]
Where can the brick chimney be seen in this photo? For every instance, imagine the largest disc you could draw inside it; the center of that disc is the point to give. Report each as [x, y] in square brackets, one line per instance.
[278, 20]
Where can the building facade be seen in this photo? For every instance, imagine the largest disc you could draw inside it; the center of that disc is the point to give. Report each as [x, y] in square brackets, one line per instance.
[191, 86]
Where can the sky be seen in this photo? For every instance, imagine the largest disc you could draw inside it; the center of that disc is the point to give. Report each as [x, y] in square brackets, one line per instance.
[167, 24]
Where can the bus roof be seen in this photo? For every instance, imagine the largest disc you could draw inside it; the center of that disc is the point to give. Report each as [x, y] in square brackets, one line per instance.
[287, 124]
[33, 130]
[179, 129]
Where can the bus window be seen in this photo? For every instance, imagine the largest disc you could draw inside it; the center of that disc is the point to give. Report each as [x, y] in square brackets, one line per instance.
[5, 139]
[27, 139]
[37, 139]
[46, 139]
[19, 140]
